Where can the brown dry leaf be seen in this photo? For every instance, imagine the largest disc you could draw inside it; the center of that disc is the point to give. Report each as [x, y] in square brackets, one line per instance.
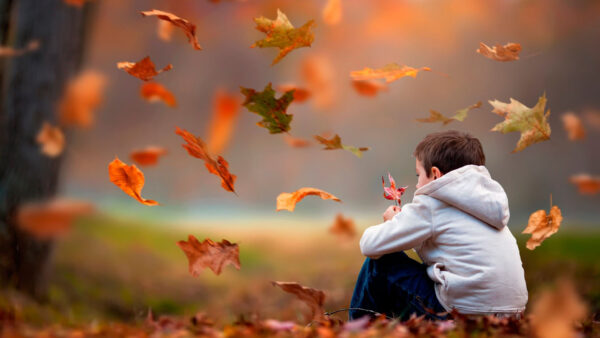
[312, 297]
[332, 12]
[148, 155]
[318, 73]
[300, 94]
[573, 126]
[459, 115]
[197, 148]
[51, 139]
[209, 254]
[188, 28]
[143, 69]
[542, 226]
[226, 109]
[343, 227]
[296, 142]
[555, 312]
[10, 51]
[153, 92]
[508, 52]
[51, 218]
[82, 95]
[390, 72]
[368, 88]
[129, 179]
[287, 201]
[336, 143]
[587, 184]
[164, 30]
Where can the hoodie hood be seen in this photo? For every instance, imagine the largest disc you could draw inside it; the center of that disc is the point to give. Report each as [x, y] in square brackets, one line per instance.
[472, 190]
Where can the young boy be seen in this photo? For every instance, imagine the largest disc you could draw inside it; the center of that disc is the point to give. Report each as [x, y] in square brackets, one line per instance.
[457, 224]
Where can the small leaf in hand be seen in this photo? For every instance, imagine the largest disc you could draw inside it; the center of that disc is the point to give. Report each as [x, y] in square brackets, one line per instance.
[208, 254]
[391, 192]
[188, 28]
[460, 115]
[287, 201]
[272, 110]
[143, 69]
[390, 72]
[129, 179]
[336, 143]
[508, 52]
[542, 226]
[312, 297]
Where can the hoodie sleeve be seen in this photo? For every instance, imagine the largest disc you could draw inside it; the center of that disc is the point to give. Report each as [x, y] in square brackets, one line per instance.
[406, 230]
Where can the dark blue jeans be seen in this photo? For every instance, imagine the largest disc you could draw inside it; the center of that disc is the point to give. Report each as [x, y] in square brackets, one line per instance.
[397, 286]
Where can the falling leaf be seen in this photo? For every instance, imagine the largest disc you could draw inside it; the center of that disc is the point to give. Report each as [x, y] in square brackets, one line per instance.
[391, 192]
[51, 218]
[82, 95]
[312, 297]
[143, 69]
[459, 115]
[390, 72]
[281, 34]
[51, 139]
[10, 51]
[573, 126]
[508, 52]
[318, 73]
[153, 92]
[287, 201]
[197, 148]
[586, 184]
[532, 123]
[343, 227]
[296, 142]
[368, 88]
[332, 12]
[209, 254]
[188, 28]
[542, 226]
[272, 110]
[226, 108]
[164, 30]
[336, 143]
[300, 94]
[148, 155]
[129, 179]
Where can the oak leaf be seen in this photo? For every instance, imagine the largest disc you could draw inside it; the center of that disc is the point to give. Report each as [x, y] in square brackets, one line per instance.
[368, 88]
[332, 12]
[288, 201]
[10, 51]
[143, 69]
[51, 139]
[226, 108]
[129, 179]
[343, 227]
[300, 94]
[542, 226]
[336, 143]
[459, 115]
[82, 95]
[573, 126]
[188, 28]
[508, 52]
[312, 297]
[586, 184]
[532, 123]
[390, 72]
[281, 34]
[272, 110]
[153, 92]
[197, 148]
[209, 254]
[51, 218]
[391, 192]
[148, 155]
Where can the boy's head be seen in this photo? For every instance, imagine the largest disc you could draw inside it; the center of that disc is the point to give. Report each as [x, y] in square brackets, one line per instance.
[440, 153]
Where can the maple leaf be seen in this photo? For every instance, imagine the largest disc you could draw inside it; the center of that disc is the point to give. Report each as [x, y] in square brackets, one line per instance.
[508, 52]
[368, 88]
[532, 123]
[51, 218]
[390, 72]
[586, 184]
[82, 95]
[312, 297]
[391, 192]
[281, 34]
[148, 155]
[332, 12]
[153, 92]
[197, 148]
[343, 227]
[10, 51]
[209, 254]
[542, 226]
[459, 115]
[188, 28]
[129, 179]
[573, 126]
[272, 110]
[300, 94]
[51, 139]
[287, 201]
[336, 143]
[143, 69]
[226, 108]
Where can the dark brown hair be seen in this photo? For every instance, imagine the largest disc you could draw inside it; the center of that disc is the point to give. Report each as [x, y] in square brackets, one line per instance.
[449, 150]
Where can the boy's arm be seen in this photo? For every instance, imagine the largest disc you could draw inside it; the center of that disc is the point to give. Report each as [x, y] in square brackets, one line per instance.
[406, 230]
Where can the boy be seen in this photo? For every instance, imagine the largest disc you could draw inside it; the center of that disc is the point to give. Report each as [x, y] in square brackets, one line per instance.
[457, 224]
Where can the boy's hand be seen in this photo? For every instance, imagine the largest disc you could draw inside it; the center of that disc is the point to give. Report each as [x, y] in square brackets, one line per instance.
[390, 212]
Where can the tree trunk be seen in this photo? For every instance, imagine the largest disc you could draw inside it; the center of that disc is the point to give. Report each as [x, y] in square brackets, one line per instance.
[31, 85]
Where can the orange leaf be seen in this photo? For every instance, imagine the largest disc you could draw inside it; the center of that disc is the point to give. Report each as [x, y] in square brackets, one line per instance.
[52, 218]
[296, 142]
[287, 201]
[51, 139]
[542, 226]
[143, 69]
[318, 73]
[508, 52]
[82, 95]
[573, 126]
[147, 156]
[343, 227]
[312, 297]
[390, 72]
[10, 51]
[300, 94]
[332, 12]
[153, 91]
[226, 108]
[197, 148]
[188, 28]
[368, 88]
[164, 30]
[209, 254]
[129, 178]
[587, 184]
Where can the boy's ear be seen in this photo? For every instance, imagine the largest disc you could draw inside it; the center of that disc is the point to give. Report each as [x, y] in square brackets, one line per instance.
[435, 172]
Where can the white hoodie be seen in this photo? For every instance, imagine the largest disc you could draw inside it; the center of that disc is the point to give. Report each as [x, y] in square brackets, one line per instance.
[457, 225]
